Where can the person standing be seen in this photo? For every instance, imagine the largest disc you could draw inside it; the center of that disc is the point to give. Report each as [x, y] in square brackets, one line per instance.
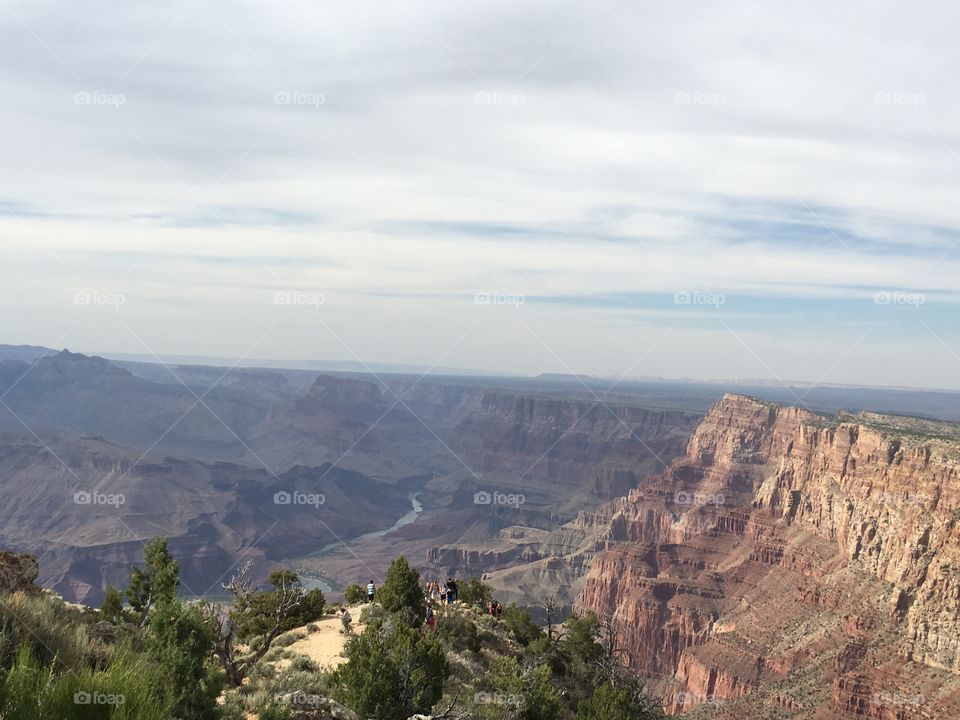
[371, 591]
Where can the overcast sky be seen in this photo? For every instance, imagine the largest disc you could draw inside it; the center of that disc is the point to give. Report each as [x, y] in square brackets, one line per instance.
[737, 189]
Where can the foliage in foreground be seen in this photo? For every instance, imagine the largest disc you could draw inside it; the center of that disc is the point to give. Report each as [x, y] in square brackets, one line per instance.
[392, 672]
[160, 656]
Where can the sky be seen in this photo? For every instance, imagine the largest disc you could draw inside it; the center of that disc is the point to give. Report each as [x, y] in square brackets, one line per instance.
[702, 190]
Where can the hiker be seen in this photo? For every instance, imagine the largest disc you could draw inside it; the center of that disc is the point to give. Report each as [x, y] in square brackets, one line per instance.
[345, 620]
[451, 590]
[431, 619]
[371, 590]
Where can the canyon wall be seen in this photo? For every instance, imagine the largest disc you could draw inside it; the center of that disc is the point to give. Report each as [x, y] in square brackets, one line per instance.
[792, 562]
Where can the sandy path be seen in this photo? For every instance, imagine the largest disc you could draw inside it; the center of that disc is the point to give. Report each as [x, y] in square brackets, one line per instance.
[325, 645]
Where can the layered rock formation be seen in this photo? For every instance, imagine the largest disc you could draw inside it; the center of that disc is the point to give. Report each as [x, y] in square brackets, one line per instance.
[198, 455]
[792, 566]
[86, 508]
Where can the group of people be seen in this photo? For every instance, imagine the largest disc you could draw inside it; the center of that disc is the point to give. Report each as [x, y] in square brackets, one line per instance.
[445, 594]
[434, 594]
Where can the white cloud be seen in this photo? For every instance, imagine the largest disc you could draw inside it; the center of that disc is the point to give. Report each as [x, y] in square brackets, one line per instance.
[430, 150]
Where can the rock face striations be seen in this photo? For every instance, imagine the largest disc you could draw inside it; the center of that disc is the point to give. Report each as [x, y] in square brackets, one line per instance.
[793, 564]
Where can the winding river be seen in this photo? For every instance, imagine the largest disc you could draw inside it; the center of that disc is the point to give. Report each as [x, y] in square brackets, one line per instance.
[312, 580]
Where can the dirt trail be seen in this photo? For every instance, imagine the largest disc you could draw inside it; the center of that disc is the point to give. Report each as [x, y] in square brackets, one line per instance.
[325, 645]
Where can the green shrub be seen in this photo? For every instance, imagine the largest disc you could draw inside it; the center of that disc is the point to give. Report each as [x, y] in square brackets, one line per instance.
[391, 673]
[458, 632]
[288, 639]
[354, 594]
[30, 690]
[372, 614]
[112, 607]
[475, 592]
[180, 643]
[56, 631]
[530, 692]
[401, 590]
[303, 663]
[620, 703]
[258, 619]
[520, 625]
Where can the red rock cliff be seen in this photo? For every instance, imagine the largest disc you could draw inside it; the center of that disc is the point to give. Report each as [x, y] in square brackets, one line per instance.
[792, 562]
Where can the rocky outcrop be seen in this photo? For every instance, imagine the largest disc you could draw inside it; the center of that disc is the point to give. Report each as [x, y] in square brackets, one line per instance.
[17, 572]
[780, 541]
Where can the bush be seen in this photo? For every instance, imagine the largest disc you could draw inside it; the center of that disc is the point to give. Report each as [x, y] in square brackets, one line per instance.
[158, 582]
[475, 592]
[180, 643]
[520, 625]
[458, 632]
[530, 688]
[304, 664]
[391, 673]
[112, 607]
[56, 631]
[288, 639]
[354, 594]
[259, 618]
[580, 639]
[610, 703]
[372, 614]
[30, 690]
[402, 589]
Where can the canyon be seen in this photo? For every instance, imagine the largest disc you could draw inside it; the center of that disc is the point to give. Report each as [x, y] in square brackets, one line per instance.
[198, 455]
[789, 565]
[756, 559]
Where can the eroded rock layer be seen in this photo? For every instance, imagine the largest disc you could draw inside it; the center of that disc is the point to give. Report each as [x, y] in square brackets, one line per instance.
[792, 566]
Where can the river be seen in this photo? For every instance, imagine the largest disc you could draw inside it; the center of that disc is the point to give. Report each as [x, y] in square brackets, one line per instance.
[311, 580]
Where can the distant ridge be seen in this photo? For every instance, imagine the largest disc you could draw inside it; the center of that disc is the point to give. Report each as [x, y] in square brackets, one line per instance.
[317, 365]
[24, 353]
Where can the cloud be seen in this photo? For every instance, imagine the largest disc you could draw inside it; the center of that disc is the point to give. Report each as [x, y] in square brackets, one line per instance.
[400, 157]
